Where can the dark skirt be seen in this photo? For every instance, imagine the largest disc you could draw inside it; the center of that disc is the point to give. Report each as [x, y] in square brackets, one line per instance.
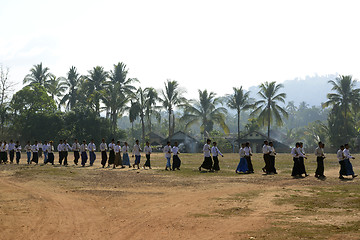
[35, 158]
[242, 167]
[348, 168]
[176, 162]
[50, 158]
[117, 161]
[207, 164]
[147, 163]
[296, 168]
[103, 158]
[272, 164]
[249, 164]
[112, 157]
[216, 163]
[302, 165]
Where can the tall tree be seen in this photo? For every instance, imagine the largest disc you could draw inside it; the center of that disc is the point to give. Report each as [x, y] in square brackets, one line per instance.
[267, 109]
[344, 99]
[72, 83]
[239, 100]
[171, 98]
[151, 108]
[56, 88]
[95, 83]
[205, 112]
[38, 74]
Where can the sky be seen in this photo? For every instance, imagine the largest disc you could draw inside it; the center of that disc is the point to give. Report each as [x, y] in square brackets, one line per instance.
[213, 45]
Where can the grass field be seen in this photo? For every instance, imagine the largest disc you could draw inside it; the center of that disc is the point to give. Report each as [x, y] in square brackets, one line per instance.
[96, 203]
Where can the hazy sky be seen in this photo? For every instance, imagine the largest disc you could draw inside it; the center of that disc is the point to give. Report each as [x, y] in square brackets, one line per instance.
[202, 44]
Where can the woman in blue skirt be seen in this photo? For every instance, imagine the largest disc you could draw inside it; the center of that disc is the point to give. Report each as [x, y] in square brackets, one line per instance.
[242, 167]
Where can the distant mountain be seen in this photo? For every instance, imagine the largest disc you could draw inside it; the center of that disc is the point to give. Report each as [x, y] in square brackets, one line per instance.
[312, 89]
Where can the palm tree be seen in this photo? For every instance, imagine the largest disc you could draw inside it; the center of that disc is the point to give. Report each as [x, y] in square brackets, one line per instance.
[151, 108]
[205, 112]
[72, 83]
[95, 83]
[55, 86]
[38, 75]
[239, 100]
[171, 98]
[345, 98]
[267, 108]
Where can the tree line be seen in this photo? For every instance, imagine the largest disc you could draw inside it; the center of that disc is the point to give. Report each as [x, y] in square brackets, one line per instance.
[91, 106]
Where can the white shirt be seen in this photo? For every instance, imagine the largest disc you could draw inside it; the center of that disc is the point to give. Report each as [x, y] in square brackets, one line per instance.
[272, 151]
[18, 148]
[76, 147]
[301, 152]
[294, 152]
[45, 147]
[242, 152]
[11, 146]
[92, 147]
[167, 151]
[83, 148]
[319, 152]
[215, 151]
[147, 150]
[175, 150]
[103, 147]
[50, 148]
[206, 150]
[112, 146]
[60, 147]
[347, 154]
[6, 147]
[66, 147]
[117, 148]
[248, 151]
[136, 150]
[340, 155]
[125, 149]
[28, 148]
[40, 145]
[265, 149]
[34, 148]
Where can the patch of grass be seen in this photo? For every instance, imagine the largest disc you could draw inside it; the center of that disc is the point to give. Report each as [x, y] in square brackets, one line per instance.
[234, 211]
[44, 170]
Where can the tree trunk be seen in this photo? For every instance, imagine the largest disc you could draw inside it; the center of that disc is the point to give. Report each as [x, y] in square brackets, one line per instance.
[268, 135]
[143, 130]
[238, 123]
[169, 124]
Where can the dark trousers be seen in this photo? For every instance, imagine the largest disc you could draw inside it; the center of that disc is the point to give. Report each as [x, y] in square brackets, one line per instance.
[147, 163]
[76, 157]
[61, 157]
[272, 164]
[50, 158]
[216, 166]
[176, 162]
[12, 153]
[103, 158]
[18, 156]
[250, 166]
[320, 166]
[302, 165]
[84, 158]
[296, 168]
[65, 155]
[35, 158]
[267, 163]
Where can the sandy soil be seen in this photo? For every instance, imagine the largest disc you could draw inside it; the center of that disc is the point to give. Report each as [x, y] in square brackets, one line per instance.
[95, 203]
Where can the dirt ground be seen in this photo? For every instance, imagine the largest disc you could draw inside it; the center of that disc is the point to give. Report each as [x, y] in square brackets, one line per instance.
[57, 202]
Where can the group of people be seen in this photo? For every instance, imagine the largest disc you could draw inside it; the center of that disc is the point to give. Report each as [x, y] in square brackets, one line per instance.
[119, 156]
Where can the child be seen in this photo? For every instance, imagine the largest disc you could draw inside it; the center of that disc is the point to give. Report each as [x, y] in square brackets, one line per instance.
[103, 148]
[272, 154]
[35, 150]
[167, 151]
[18, 152]
[176, 159]
[112, 152]
[92, 149]
[84, 157]
[136, 151]
[320, 156]
[126, 159]
[348, 166]
[148, 151]
[50, 153]
[28, 152]
[117, 152]
[207, 163]
[242, 167]
[215, 153]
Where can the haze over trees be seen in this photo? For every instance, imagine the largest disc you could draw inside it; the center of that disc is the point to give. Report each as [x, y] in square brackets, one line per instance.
[107, 103]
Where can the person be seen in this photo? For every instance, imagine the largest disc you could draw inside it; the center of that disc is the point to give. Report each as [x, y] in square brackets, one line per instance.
[112, 153]
[320, 156]
[45, 151]
[40, 145]
[207, 163]
[126, 159]
[3, 152]
[84, 157]
[66, 147]
[50, 153]
[347, 163]
[117, 152]
[272, 154]
[215, 153]
[35, 150]
[28, 152]
[18, 152]
[76, 149]
[60, 150]
[176, 160]
[266, 156]
[136, 152]
[295, 154]
[103, 149]
[11, 151]
[167, 151]
[242, 166]
[248, 154]
[148, 151]
[302, 156]
[92, 149]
